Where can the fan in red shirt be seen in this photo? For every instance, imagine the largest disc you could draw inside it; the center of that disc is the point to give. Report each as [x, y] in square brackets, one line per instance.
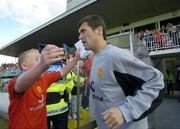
[27, 93]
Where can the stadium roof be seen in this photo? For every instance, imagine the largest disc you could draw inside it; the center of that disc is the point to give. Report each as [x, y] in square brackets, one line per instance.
[63, 29]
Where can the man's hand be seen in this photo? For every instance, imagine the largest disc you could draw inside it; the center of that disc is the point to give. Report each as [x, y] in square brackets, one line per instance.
[70, 65]
[113, 117]
[51, 54]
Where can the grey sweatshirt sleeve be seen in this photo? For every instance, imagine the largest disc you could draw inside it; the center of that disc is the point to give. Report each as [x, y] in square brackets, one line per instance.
[142, 85]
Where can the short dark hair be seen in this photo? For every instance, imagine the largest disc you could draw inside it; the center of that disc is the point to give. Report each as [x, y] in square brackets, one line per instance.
[94, 21]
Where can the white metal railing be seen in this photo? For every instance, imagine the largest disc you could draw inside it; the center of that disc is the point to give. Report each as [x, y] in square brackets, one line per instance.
[163, 41]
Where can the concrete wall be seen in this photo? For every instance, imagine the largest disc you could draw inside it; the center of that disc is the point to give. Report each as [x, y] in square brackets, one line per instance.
[4, 102]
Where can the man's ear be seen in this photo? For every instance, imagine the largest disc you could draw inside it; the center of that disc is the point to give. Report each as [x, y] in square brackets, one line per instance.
[100, 30]
[24, 66]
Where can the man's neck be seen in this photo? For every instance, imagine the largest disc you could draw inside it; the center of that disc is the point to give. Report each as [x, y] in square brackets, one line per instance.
[100, 45]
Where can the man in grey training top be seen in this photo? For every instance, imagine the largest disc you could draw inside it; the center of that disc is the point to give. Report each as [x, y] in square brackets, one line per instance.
[124, 89]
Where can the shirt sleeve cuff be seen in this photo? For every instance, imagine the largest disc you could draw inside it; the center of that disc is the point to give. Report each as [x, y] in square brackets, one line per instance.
[126, 112]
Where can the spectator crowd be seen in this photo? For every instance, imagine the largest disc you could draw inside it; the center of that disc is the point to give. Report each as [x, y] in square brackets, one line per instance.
[7, 70]
[9, 67]
[164, 38]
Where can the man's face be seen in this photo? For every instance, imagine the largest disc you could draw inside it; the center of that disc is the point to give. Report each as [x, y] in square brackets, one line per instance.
[88, 36]
[32, 59]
